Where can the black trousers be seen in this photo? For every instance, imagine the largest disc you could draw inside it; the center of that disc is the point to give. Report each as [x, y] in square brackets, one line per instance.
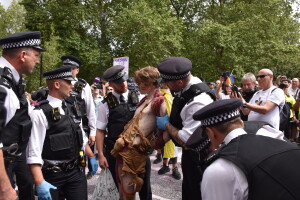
[192, 175]
[146, 192]
[24, 178]
[71, 185]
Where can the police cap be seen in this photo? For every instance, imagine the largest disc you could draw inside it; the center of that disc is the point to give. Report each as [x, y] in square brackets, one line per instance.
[64, 72]
[219, 112]
[22, 39]
[174, 68]
[71, 60]
[115, 74]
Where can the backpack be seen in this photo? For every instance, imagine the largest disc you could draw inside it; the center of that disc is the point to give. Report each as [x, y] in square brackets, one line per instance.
[284, 115]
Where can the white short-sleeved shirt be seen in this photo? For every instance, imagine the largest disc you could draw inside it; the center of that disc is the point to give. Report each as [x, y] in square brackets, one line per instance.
[38, 132]
[186, 114]
[274, 95]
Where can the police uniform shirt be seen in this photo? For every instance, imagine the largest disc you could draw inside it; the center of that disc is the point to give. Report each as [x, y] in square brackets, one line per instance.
[233, 183]
[189, 124]
[224, 180]
[103, 112]
[38, 132]
[86, 94]
[274, 95]
[11, 103]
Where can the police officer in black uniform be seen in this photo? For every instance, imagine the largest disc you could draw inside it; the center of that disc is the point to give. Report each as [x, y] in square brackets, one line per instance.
[7, 192]
[190, 94]
[82, 99]
[120, 106]
[55, 153]
[20, 55]
[245, 166]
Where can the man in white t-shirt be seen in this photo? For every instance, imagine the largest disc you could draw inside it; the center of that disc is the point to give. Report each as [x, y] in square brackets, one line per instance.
[265, 104]
[294, 88]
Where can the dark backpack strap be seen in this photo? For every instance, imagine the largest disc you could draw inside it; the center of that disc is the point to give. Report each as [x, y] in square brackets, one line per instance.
[251, 127]
[196, 90]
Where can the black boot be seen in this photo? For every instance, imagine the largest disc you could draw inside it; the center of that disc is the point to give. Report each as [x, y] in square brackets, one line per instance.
[158, 158]
[164, 170]
[176, 174]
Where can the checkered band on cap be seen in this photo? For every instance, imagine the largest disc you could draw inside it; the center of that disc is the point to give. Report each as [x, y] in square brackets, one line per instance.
[71, 62]
[59, 75]
[175, 77]
[117, 76]
[24, 43]
[221, 118]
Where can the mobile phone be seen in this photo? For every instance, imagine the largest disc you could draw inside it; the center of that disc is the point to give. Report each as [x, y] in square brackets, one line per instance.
[235, 89]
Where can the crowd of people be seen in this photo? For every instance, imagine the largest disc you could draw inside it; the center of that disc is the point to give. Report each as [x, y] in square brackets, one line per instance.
[238, 142]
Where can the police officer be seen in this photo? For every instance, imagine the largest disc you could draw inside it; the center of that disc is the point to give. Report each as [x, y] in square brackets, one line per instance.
[190, 94]
[20, 55]
[54, 149]
[82, 98]
[115, 111]
[6, 192]
[245, 166]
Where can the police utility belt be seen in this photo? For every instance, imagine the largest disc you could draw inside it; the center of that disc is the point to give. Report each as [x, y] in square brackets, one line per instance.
[65, 165]
[59, 166]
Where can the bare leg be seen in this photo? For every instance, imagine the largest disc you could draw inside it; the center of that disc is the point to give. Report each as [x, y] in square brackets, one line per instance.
[127, 192]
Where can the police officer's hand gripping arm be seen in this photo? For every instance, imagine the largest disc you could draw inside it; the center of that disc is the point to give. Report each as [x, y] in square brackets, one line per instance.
[164, 124]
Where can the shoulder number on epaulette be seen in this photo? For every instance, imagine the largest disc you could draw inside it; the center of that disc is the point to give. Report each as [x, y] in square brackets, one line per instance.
[111, 101]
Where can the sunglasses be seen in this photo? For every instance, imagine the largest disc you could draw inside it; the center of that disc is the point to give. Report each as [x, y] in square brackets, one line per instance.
[262, 76]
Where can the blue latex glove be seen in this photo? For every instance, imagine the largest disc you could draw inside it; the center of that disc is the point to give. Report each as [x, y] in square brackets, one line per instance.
[94, 165]
[43, 190]
[162, 121]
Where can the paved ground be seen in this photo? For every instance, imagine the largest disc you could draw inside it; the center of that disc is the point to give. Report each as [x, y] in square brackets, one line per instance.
[164, 187]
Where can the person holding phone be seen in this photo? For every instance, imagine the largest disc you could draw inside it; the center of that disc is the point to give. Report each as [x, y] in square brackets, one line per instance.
[223, 90]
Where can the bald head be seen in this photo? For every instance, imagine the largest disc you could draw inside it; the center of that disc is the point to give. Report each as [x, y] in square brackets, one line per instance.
[266, 71]
[265, 79]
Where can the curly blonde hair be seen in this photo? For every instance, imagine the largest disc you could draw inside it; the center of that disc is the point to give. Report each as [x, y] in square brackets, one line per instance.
[147, 74]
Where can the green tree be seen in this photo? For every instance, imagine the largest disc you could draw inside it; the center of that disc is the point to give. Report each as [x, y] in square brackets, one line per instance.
[146, 33]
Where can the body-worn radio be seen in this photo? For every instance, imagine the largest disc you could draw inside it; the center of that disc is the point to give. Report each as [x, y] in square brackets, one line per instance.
[81, 159]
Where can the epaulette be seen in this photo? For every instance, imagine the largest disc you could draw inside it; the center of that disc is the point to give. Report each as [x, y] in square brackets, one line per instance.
[111, 101]
[40, 103]
[79, 85]
[6, 77]
[214, 154]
